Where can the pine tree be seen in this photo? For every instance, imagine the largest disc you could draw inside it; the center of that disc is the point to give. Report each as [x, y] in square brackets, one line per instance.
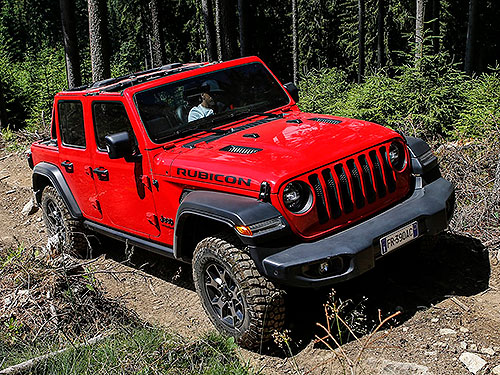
[99, 44]
[471, 37]
[208, 20]
[70, 43]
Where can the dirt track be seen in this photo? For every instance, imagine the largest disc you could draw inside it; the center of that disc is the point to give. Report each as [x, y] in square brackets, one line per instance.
[449, 296]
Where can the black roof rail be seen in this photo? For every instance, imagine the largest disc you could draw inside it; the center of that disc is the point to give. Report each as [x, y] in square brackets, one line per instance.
[111, 81]
[141, 77]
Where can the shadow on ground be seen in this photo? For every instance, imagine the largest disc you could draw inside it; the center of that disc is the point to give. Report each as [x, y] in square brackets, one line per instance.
[411, 279]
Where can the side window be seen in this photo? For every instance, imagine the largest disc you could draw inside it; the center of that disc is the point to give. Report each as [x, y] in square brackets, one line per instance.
[110, 118]
[71, 123]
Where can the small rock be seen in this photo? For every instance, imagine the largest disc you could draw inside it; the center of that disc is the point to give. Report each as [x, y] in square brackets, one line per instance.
[440, 344]
[464, 330]
[463, 345]
[488, 351]
[430, 353]
[405, 329]
[29, 208]
[434, 320]
[473, 347]
[472, 362]
[401, 368]
[496, 370]
[447, 331]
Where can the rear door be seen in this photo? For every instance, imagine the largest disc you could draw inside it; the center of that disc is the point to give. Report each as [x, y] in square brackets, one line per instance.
[123, 185]
[75, 155]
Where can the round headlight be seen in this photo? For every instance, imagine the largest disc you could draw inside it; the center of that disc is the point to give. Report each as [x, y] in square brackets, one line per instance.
[297, 197]
[397, 156]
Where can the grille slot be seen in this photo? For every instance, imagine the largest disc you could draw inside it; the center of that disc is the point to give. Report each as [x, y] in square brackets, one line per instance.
[357, 188]
[345, 193]
[377, 171]
[367, 179]
[333, 197]
[320, 198]
[325, 120]
[240, 149]
[389, 176]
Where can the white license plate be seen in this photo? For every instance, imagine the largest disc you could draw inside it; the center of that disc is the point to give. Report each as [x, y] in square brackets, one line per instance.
[398, 238]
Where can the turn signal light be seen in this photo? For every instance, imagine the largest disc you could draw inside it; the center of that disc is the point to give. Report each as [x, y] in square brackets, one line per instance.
[243, 230]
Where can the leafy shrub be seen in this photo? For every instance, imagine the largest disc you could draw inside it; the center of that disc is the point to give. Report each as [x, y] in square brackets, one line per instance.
[432, 98]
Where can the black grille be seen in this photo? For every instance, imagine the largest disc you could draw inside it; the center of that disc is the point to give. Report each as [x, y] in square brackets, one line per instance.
[320, 198]
[377, 171]
[357, 188]
[325, 120]
[367, 179]
[331, 190]
[241, 149]
[352, 184]
[345, 192]
[389, 176]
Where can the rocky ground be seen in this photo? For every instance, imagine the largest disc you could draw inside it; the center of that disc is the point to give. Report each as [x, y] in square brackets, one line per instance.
[448, 296]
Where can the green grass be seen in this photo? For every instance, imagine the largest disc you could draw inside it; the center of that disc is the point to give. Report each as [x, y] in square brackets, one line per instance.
[138, 350]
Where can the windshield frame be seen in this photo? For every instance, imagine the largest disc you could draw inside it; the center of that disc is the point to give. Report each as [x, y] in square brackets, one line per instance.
[217, 120]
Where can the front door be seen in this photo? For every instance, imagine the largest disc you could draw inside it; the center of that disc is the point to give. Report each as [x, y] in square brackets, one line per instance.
[123, 185]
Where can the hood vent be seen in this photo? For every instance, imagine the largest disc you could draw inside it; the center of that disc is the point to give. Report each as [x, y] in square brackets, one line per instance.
[241, 149]
[325, 120]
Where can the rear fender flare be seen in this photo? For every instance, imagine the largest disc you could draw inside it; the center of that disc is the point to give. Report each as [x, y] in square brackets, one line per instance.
[45, 174]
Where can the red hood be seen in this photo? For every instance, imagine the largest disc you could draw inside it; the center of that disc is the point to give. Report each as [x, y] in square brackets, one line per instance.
[288, 147]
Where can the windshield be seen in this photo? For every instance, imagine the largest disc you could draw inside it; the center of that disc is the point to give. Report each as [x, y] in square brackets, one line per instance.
[208, 100]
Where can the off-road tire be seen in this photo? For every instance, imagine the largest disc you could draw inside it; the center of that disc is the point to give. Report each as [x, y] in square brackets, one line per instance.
[57, 219]
[261, 301]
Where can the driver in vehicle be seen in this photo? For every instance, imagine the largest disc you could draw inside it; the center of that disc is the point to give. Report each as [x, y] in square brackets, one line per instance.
[208, 103]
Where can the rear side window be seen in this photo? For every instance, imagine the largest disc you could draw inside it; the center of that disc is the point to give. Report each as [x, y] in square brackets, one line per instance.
[109, 118]
[71, 123]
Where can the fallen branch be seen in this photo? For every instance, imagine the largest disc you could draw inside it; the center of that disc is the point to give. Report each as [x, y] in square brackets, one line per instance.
[29, 364]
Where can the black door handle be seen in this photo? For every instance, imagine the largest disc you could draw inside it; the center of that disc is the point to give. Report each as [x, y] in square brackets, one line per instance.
[67, 165]
[101, 173]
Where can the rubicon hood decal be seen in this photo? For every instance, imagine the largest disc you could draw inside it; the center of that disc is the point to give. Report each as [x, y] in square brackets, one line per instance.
[217, 177]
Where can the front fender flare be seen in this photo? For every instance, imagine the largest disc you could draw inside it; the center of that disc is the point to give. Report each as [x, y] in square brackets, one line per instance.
[228, 209]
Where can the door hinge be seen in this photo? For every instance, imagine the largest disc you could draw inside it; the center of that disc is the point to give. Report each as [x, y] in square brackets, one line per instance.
[152, 218]
[95, 203]
[88, 171]
[146, 181]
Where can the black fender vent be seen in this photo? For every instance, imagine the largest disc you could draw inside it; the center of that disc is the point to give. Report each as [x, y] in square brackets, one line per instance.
[241, 149]
[325, 120]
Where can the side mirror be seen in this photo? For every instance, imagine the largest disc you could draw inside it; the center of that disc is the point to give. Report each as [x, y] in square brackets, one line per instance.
[118, 145]
[292, 90]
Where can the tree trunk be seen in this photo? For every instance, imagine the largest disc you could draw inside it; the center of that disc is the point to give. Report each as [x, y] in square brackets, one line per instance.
[436, 29]
[208, 20]
[242, 14]
[70, 43]
[361, 40]
[295, 42]
[419, 30]
[157, 57]
[471, 37]
[99, 44]
[3, 109]
[380, 34]
[223, 29]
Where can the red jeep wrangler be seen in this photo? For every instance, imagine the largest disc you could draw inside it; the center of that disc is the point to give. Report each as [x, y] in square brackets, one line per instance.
[215, 165]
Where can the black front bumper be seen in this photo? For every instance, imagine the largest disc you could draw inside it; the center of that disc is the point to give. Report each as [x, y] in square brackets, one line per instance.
[358, 246]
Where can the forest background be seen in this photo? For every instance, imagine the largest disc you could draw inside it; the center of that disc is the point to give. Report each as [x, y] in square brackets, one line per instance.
[425, 67]
[428, 66]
